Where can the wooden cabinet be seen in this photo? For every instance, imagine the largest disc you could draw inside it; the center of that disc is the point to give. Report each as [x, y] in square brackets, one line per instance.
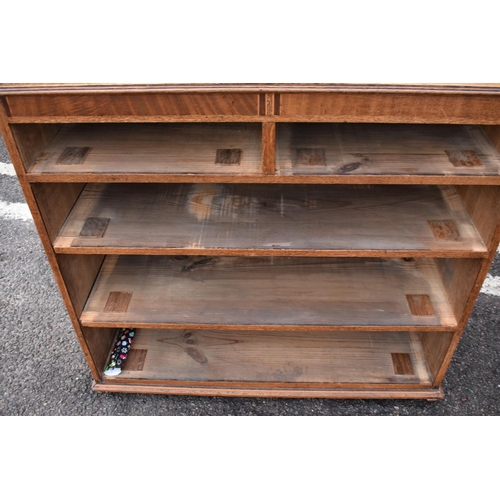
[272, 240]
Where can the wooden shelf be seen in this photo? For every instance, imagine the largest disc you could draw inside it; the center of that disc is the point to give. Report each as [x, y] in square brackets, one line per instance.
[318, 359]
[153, 148]
[353, 149]
[281, 293]
[298, 220]
[324, 153]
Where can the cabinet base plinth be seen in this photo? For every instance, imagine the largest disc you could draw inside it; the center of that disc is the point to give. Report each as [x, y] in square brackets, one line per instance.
[431, 394]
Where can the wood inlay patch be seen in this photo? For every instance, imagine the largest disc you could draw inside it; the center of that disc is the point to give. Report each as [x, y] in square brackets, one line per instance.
[420, 305]
[117, 302]
[464, 158]
[228, 156]
[73, 156]
[94, 227]
[135, 360]
[311, 156]
[444, 230]
[402, 363]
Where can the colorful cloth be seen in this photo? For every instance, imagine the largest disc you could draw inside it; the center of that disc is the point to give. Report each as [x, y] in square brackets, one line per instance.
[120, 352]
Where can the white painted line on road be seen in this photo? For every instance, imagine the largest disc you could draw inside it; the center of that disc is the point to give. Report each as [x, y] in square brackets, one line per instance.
[17, 211]
[491, 285]
[7, 169]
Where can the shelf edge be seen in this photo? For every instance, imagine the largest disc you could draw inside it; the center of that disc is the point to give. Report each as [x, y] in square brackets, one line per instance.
[236, 252]
[264, 179]
[295, 328]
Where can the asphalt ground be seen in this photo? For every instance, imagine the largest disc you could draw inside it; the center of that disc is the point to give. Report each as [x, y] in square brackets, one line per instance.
[43, 371]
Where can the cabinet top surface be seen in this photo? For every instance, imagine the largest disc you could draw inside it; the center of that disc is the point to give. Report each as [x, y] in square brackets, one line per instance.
[50, 88]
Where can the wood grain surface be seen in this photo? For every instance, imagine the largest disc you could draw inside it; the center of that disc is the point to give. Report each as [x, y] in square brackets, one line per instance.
[283, 357]
[389, 107]
[249, 219]
[266, 390]
[55, 201]
[73, 156]
[201, 105]
[268, 148]
[402, 363]
[301, 150]
[378, 149]
[268, 293]
[371, 88]
[32, 139]
[157, 148]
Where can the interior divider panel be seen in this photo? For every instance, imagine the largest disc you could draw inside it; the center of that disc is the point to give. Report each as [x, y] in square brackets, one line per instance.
[268, 293]
[249, 219]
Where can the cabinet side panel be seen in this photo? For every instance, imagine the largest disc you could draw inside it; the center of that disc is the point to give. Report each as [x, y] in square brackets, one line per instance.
[435, 346]
[493, 134]
[33, 139]
[483, 205]
[79, 273]
[459, 276]
[55, 202]
[99, 341]
[19, 165]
